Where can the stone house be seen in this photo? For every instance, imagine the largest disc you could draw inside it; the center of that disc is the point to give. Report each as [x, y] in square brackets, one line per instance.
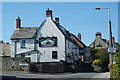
[49, 42]
[99, 42]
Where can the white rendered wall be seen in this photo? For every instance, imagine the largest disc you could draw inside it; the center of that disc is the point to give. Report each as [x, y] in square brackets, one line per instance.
[29, 46]
[72, 50]
[12, 48]
[50, 29]
[33, 56]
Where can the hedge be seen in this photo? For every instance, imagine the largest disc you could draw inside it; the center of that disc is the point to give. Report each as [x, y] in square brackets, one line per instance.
[115, 70]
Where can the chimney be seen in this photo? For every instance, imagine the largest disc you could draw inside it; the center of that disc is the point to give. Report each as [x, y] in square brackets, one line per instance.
[98, 35]
[18, 22]
[1, 42]
[79, 36]
[7, 43]
[49, 13]
[57, 20]
[113, 39]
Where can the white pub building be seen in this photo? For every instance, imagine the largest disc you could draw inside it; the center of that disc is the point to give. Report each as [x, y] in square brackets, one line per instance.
[50, 42]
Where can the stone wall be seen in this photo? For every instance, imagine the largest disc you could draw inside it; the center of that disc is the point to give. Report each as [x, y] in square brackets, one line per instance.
[13, 64]
[19, 65]
[5, 49]
[48, 67]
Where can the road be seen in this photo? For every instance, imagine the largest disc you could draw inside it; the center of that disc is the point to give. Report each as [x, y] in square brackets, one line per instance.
[74, 76]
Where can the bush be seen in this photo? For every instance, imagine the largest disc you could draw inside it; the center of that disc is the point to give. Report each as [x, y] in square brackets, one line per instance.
[100, 57]
[115, 72]
[85, 67]
[97, 62]
[115, 69]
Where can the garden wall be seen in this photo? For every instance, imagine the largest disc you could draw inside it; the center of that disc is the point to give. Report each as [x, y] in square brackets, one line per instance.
[15, 64]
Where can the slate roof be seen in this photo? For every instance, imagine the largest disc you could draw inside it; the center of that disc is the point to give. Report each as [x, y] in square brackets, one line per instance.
[29, 32]
[105, 41]
[117, 44]
[24, 32]
[71, 37]
[28, 52]
[102, 39]
[64, 32]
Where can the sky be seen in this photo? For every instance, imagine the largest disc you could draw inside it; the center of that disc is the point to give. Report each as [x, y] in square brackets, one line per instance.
[119, 22]
[77, 17]
[60, 0]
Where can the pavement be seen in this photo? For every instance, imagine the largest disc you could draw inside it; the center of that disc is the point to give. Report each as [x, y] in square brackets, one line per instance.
[76, 76]
[102, 76]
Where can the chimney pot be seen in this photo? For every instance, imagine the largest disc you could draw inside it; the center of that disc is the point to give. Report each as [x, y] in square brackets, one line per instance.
[98, 35]
[18, 22]
[1, 42]
[57, 20]
[48, 13]
[79, 36]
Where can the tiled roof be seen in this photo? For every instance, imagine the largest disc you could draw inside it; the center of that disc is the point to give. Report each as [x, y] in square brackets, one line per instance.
[24, 32]
[80, 43]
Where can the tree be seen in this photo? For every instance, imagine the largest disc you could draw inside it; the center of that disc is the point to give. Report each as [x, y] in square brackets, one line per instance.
[102, 55]
[93, 52]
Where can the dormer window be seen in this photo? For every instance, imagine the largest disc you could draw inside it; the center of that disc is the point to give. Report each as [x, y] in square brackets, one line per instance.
[23, 44]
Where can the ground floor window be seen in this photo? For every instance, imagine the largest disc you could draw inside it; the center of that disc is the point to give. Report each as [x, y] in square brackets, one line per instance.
[54, 55]
[20, 55]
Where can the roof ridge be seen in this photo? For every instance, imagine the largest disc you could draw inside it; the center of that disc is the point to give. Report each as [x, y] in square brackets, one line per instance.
[30, 27]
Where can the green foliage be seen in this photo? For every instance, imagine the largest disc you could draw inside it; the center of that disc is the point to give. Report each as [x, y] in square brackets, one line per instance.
[115, 70]
[103, 56]
[117, 58]
[54, 63]
[86, 62]
[5, 56]
[100, 57]
[93, 52]
[97, 62]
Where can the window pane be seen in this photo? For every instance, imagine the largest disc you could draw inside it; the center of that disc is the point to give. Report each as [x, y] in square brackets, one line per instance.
[99, 45]
[54, 55]
[23, 43]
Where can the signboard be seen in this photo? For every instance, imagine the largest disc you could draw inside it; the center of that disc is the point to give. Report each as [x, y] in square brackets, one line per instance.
[111, 50]
[47, 41]
[23, 64]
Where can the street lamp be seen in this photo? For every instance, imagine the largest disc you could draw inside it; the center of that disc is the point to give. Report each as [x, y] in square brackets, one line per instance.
[109, 33]
[109, 25]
